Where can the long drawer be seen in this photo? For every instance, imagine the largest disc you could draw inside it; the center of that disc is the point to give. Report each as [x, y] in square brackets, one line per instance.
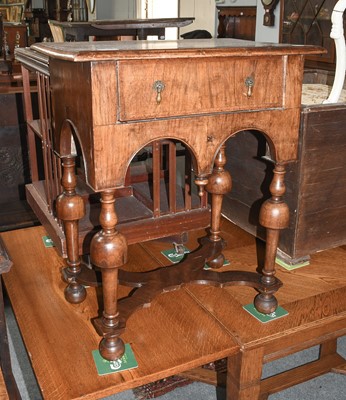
[151, 89]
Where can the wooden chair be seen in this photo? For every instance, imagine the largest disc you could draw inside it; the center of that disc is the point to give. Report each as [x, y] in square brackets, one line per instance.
[57, 32]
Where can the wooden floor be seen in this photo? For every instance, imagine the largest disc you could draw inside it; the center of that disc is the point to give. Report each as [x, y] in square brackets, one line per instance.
[182, 329]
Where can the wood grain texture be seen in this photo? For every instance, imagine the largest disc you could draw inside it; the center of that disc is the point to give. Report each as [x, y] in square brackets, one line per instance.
[214, 79]
[3, 391]
[60, 337]
[315, 299]
[316, 219]
[182, 79]
[313, 296]
[221, 90]
[200, 330]
[79, 52]
[244, 375]
[237, 22]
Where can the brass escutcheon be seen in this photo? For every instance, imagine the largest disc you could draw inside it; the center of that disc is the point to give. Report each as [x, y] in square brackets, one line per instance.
[249, 83]
[158, 86]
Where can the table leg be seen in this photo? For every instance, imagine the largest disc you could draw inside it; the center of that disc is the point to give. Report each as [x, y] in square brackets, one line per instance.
[219, 183]
[108, 251]
[244, 371]
[274, 216]
[70, 209]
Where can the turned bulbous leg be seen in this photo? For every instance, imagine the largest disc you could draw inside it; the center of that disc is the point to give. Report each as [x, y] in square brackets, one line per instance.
[218, 184]
[274, 216]
[108, 251]
[112, 348]
[70, 209]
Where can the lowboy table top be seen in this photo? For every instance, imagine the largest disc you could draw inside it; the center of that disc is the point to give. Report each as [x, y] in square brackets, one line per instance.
[113, 50]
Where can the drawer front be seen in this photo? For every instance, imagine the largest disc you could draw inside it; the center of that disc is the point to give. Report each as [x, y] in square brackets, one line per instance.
[197, 86]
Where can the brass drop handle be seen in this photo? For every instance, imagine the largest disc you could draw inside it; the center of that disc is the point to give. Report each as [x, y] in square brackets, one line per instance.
[158, 86]
[249, 83]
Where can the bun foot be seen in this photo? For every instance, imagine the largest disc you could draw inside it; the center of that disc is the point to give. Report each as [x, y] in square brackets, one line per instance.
[217, 262]
[75, 293]
[265, 304]
[112, 348]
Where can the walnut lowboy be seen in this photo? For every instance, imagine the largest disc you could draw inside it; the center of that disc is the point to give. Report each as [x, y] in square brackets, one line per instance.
[115, 98]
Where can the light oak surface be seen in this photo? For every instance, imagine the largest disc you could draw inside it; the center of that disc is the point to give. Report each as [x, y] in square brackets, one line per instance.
[183, 329]
[313, 295]
[173, 335]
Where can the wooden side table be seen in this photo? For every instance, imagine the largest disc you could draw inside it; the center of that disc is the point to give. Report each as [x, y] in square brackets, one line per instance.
[112, 99]
[5, 360]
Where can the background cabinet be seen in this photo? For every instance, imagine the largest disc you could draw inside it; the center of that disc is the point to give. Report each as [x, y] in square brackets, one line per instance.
[14, 166]
[237, 22]
[309, 22]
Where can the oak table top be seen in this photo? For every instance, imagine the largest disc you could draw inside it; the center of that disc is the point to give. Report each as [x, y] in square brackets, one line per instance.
[59, 336]
[184, 329]
[313, 295]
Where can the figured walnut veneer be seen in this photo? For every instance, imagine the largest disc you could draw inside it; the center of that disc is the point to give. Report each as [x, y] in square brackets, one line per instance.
[116, 98]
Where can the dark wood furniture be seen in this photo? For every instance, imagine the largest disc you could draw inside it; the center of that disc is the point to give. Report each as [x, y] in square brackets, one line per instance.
[63, 10]
[138, 28]
[16, 36]
[12, 35]
[9, 389]
[237, 22]
[309, 22]
[201, 330]
[269, 7]
[14, 163]
[155, 202]
[58, 10]
[227, 87]
[14, 166]
[316, 219]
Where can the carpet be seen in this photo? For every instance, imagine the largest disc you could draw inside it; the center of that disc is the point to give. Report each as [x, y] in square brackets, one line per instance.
[163, 386]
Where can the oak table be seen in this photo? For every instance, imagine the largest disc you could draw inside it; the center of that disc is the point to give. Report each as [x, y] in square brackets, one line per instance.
[200, 331]
[113, 98]
[171, 336]
[314, 297]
